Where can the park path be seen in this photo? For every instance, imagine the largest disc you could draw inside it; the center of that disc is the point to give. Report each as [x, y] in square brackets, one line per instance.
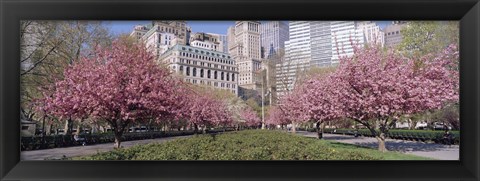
[57, 153]
[430, 150]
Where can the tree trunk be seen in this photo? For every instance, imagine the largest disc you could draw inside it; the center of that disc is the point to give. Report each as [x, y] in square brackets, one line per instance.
[68, 127]
[381, 142]
[319, 130]
[79, 129]
[48, 129]
[195, 127]
[118, 138]
[293, 128]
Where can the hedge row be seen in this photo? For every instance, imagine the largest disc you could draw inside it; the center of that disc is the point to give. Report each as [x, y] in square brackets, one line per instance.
[241, 145]
[411, 135]
[58, 141]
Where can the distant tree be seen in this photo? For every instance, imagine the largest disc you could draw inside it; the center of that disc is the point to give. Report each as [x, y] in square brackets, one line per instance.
[203, 110]
[428, 37]
[250, 117]
[276, 116]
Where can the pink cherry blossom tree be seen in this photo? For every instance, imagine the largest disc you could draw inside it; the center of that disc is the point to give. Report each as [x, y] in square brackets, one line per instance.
[292, 106]
[120, 84]
[250, 117]
[276, 116]
[319, 101]
[377, 87]
[203, 110]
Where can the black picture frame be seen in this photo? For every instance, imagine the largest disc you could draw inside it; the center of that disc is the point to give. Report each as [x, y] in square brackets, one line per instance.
[466, 11]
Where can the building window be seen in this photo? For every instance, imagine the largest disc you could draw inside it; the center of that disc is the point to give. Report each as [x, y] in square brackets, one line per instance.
[201, 73]
[221, 76]
[208, 73]
[228, 76]
[181, 69]
[233, 77]
[188, 71]
[215, 74]
[194, 72]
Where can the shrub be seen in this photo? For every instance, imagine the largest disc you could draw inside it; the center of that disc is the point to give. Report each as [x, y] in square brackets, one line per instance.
[242, 145]
[58, 141]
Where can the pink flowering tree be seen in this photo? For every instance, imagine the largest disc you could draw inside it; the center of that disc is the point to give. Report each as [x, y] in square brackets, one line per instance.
[319, 101]
[120, 84]
[276, 116]
[292, 105]
[377, 87]
[203, 110]
[250, 117]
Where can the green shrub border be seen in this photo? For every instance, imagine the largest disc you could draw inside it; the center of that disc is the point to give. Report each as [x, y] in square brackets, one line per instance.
[59, 141]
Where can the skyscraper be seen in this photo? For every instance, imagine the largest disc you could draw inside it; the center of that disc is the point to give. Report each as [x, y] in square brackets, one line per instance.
[372, 33]
[345, 35]
[273, 34]
[393, 34]
[244, 47]
[321, 43]
[297, 55]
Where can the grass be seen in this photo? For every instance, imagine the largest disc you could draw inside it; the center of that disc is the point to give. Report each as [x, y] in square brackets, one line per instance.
[249, 145]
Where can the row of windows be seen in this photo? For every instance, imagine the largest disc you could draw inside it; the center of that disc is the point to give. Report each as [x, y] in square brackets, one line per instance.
[207, 53]
[207, 58]
[168, 30]
[208, 74]
[393, 33]
[215, 84]
[193, 62]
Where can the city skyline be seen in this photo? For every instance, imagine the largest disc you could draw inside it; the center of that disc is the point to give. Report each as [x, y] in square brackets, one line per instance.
[218, 27]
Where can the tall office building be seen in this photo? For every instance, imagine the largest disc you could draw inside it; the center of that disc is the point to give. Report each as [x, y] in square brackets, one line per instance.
[393, 33]
[297, 56]
[372, 33]
[345, 35]
[244, 47]
[321, 43]
[273, 35]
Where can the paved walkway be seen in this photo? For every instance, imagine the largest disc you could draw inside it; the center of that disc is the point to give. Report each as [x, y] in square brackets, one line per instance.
[430, 150]
[57, 153]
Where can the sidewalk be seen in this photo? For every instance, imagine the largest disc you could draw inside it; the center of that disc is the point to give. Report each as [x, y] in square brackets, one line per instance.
[430, 150]
[57, 153]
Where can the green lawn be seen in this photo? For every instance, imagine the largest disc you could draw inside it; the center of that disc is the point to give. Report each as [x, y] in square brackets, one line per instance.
[249, 145]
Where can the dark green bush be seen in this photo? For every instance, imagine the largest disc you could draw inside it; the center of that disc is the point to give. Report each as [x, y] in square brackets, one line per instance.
[242, 145]
[58, 141]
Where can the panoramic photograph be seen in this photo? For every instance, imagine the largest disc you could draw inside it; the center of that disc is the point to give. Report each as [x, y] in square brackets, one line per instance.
[239, 90]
